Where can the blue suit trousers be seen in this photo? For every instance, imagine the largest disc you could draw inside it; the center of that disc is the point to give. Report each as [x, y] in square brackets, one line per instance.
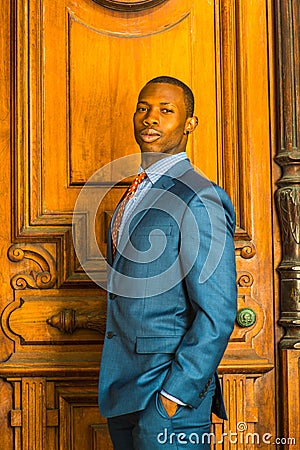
[153, 429]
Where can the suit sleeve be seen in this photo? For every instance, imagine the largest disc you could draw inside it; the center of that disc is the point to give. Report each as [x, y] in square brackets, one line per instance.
[208, 257]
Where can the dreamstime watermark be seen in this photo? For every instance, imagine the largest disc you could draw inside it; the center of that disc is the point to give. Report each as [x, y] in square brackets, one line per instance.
[175, 212]
[240, 436]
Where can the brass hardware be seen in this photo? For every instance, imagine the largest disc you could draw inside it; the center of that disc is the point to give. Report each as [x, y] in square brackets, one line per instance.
[246, 317]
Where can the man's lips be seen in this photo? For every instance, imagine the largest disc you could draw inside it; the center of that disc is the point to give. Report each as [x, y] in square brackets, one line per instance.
[150, 135]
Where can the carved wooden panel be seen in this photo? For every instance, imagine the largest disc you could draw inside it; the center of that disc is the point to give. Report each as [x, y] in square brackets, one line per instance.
[33, 413]
[100, 438]
[239, 430]
[51, 415]
[29, 416]
[81, 423]
[94, 111]
[55, 319]
[76, 69]
[290, 396]
[288, 208]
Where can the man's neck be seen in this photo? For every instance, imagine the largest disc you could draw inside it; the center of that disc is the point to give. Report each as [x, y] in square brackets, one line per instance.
[150, 158]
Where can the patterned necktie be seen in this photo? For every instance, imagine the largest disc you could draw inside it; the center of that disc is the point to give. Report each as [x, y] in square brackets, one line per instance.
[117, 222]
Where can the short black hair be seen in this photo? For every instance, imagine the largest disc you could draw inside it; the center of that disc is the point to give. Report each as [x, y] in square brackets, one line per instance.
[187, 92]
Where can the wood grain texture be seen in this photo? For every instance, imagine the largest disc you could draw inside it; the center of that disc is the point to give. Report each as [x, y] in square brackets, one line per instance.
[288, 208]
[290, 396]
[81, 425]
[33, 413]
[129, 5]
[6, 346]
[76, 70]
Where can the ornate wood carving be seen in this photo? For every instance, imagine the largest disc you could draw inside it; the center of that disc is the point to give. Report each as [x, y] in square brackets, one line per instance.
[38, 212]
[245, 250]
[129, 5]
[288, 157]
[288, 199]
[287, 196]
[43, 278]
[73, 38]
[68, 320]
[244, 279]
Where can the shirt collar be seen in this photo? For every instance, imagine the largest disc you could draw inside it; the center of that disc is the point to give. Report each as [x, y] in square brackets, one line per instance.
[159, 168]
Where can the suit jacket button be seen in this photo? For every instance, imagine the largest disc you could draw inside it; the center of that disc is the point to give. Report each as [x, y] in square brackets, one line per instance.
[109, 334]
[112, 296]
[201, 395]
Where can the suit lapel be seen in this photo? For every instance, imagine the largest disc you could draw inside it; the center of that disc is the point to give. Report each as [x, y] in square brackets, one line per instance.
[164, 183]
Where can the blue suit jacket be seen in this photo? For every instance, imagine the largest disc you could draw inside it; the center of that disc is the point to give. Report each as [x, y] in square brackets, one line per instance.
[171, 296]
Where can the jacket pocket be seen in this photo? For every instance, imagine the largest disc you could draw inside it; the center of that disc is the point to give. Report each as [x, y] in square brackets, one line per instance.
[157, 344]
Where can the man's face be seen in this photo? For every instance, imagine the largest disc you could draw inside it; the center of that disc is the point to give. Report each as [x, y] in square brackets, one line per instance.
[160, 119]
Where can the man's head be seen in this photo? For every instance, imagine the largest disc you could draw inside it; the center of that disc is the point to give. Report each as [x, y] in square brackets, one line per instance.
[164, 116]
[187, 92]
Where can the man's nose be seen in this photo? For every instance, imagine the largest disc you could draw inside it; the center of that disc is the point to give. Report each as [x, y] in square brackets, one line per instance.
[151, 119]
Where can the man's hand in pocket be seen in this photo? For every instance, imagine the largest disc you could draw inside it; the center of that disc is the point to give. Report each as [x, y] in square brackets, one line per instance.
[169, 405]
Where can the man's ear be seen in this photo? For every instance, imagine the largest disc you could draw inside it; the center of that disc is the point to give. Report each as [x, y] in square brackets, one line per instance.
[191, 124]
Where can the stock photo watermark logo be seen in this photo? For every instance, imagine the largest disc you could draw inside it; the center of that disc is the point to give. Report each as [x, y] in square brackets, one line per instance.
[162, 200]
[240, 436]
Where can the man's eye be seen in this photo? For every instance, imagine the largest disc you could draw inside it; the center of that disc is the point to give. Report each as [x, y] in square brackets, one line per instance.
[141, 109]
[166, 110]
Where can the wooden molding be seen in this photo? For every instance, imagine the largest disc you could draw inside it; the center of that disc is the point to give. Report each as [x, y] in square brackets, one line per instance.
[34, 221]
[288, 157]
[49, 322]
[85, 365]
[287, 34]
[99, 437]
[79, 406]
[290, 395]
[34, 416]
[129, 5]
[73, 365]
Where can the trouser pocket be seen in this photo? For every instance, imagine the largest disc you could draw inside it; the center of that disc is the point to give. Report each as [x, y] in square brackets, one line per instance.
[161, 409]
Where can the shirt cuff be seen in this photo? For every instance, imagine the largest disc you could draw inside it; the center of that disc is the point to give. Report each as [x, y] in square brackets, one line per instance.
[174, 399]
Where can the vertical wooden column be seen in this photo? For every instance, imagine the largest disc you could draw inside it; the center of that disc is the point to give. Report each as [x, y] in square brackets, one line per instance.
[288, 203]
[33, 413]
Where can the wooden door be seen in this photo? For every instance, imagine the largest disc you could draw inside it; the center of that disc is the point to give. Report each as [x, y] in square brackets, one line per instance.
[73, 71]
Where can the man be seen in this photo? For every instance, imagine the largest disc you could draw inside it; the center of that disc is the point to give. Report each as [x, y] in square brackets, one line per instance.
[171, 287]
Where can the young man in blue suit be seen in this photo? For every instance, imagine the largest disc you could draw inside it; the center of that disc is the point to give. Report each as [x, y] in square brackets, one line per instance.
[171, 287]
